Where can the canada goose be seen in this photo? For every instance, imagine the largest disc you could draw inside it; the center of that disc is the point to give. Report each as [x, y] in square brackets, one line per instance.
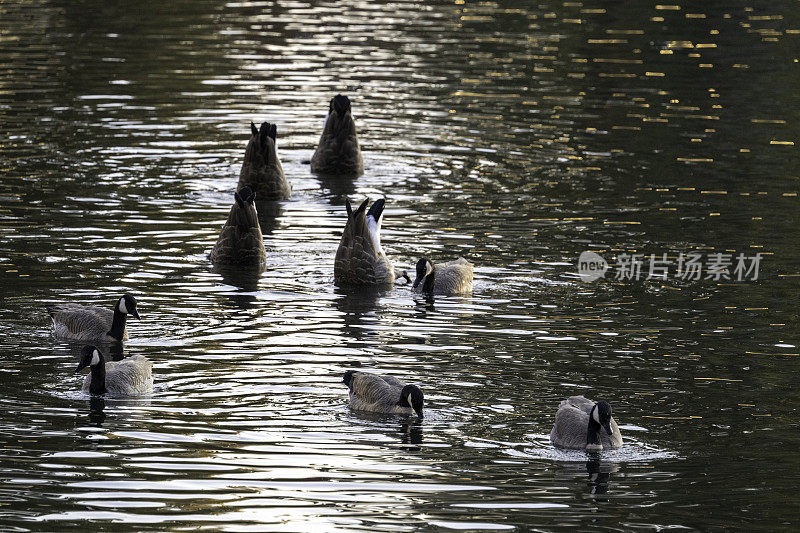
[130, 377]
[338, 152]
[454, 277]
[262, 170]
[240, 242]
[89, 322]
[578, 424]
[360, 259]
[382, 394]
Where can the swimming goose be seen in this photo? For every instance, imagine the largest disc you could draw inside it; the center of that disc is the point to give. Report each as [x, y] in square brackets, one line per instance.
[360, 259]
[262, 170]
[130, 377]
[579, 422]
[338, 152]
[454, 277]
[89, 322]
[382, 394]
[240, 242]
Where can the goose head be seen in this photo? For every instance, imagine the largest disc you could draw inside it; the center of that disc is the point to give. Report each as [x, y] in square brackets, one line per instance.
[411, 396]
[600, 417]
[425, 275]
[348, 378]
[91, 357]
[127, 306]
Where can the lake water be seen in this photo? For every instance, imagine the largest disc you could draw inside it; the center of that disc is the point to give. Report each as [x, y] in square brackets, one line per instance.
[515, 134]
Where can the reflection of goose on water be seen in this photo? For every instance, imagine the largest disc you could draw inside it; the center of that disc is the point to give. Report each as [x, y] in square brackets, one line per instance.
[454, 277]
[269, 213]
[411, 433]
[96, 411]
[382, 394]
[92, 323]
[129, 377]
[598, 480]
[245, 279]
[583, 424]
[338, 152]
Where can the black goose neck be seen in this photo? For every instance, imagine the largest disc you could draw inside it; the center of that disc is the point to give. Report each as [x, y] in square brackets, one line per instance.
[117, 330]
[427, 284]
[97, 385]
[593, 431]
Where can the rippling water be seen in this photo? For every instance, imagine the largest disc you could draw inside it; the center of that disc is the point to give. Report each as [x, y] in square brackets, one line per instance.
[515, 135]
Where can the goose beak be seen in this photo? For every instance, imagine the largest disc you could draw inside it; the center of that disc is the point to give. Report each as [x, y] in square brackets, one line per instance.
[81, 366]
[136, 314]
[416, 282]
[607, 425]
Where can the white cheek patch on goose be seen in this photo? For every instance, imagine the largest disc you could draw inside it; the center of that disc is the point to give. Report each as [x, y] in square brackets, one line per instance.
[374, 228]
[95, 358]
[122, 307]
[428, 268]
[408, 400]
[595, 415]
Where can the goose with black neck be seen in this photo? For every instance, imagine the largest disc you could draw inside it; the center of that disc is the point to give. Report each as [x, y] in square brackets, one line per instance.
[93, 323]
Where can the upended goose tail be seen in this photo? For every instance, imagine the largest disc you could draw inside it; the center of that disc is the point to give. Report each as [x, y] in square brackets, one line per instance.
[360, 259]
[261, 170]
[338, 151]
[240, 241]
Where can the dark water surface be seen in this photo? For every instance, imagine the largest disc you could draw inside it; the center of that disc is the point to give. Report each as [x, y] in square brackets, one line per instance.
[516, 135]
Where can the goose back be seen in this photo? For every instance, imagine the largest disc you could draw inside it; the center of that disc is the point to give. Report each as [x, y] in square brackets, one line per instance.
[572, 423]
[360, 259]
[93, 323]
[261, 170]
[82, 322]
[240, 242]
[338, 151]
[454, 277]
[376, 393]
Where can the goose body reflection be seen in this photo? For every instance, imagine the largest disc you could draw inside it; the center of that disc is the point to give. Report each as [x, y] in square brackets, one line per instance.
[261, 170]
[599, 476]
[338, 152]
[360, 259]
[583, 424]
[454, 277]
[382, 394]
[130, 377]
[93, 323]
[241, 242]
